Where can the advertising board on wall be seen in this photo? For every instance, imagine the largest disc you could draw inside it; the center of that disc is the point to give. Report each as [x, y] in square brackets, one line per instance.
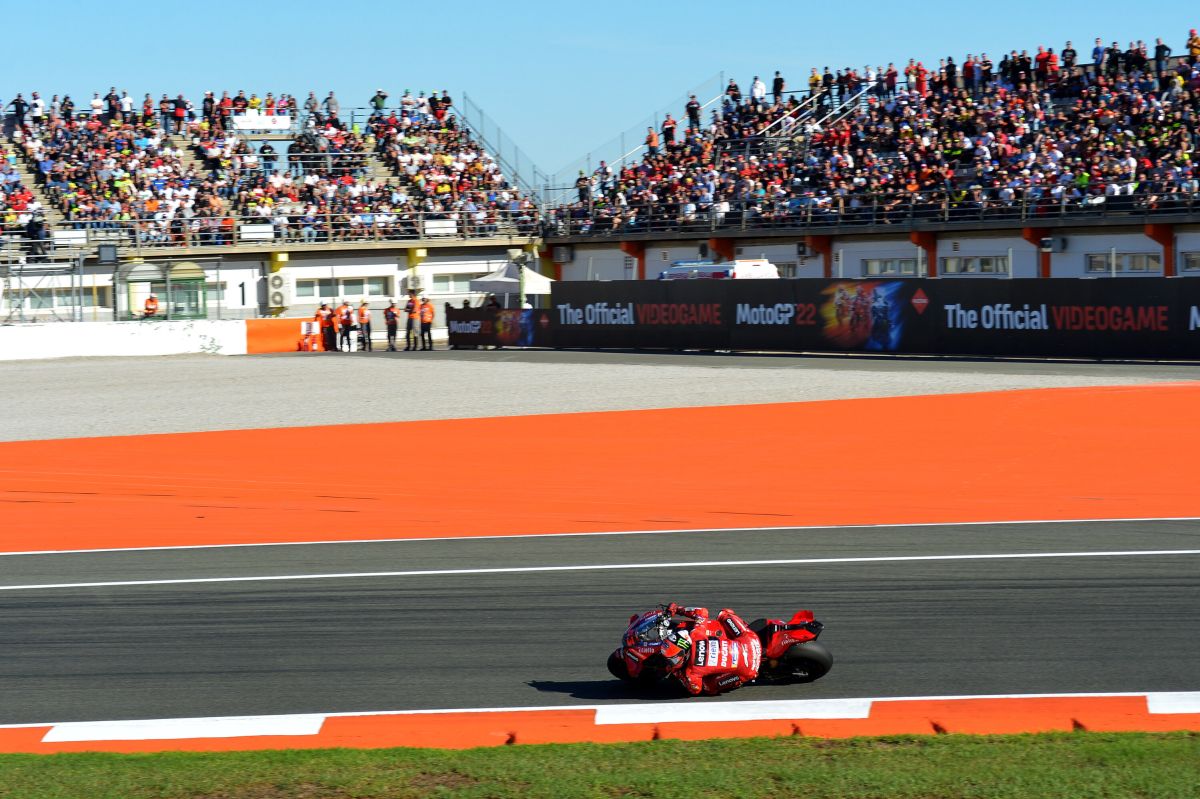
[1123, 318]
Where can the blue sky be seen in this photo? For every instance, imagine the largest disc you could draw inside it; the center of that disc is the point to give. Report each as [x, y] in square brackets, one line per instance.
[560, 78]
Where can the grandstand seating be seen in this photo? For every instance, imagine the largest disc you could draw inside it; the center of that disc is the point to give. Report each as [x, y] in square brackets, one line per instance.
[1026, 140]
[413, 173]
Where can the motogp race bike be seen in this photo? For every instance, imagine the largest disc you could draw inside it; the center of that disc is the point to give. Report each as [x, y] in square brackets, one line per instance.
[683, 643]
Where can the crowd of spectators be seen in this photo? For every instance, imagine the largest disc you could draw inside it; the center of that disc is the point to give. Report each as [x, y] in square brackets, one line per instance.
[1030, 134]
[120, 167]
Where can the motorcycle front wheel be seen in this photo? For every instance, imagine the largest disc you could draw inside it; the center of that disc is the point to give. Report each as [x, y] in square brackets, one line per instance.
[617, 667]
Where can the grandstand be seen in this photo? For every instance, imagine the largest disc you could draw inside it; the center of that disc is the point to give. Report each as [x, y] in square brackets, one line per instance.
[1024, 139]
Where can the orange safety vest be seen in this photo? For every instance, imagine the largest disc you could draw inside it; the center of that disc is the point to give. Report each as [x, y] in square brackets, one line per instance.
[413, 307]
[151, 306]
[345, 316]
[427, 312]
[324, 316]
[364, 315]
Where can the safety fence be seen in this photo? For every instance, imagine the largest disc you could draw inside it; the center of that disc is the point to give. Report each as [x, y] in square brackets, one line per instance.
[1151, 319]
[815, 211]
[281, 227]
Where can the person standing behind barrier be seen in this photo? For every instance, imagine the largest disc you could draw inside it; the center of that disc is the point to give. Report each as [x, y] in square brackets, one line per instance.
[391, 316]
[426, 324]
[345, 320]
[364, 326]
[324, 317]
[412, 307]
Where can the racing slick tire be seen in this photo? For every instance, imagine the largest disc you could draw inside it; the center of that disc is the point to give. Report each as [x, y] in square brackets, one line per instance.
[807, 662]
[617, 667]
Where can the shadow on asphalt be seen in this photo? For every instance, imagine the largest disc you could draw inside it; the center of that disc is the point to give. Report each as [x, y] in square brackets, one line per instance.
[607, 689]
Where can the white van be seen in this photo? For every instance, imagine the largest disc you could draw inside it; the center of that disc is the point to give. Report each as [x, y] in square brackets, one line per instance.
[749, 269]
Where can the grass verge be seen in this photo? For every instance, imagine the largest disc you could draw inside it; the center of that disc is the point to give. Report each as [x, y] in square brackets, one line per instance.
[1074, 765]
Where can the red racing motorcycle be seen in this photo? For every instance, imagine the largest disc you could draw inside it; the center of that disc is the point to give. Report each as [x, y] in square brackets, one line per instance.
[712, 655]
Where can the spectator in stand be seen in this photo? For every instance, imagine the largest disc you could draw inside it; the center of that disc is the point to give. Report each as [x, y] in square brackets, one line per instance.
[778, 86]
[330, 104]
[693, 112]
[1162, 54]
[379, 101]
[208, 109]
[758, 92]
[1193, 46]
[668, 130]
[19, 108]
[1069, 57]
[651, 142]
[37, 109]
[732, 92]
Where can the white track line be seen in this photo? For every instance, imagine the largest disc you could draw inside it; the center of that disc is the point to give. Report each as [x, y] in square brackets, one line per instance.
[607, 567]
[600, 534]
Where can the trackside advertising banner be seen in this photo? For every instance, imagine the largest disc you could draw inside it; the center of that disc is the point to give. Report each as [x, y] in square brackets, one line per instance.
[486, 327]
[1133, 318]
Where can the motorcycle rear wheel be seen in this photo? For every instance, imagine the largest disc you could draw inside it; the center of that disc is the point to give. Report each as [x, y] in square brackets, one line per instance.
[806, 662]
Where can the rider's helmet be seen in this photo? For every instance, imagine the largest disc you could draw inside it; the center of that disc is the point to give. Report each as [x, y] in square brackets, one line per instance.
[677, 643]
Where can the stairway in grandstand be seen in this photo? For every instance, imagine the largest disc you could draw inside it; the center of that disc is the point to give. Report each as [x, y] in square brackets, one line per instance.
[188, 154]
[54, 217]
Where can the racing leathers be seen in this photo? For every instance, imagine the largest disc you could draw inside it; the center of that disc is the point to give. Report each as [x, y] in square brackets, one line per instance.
[725, 652]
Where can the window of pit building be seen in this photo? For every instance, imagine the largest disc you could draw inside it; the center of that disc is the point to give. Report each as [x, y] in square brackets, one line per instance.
[68, 298]
[1135, 262]
[365, 287]
[315, 288]
[1191, 262]
[975, 265]
[890, 266]
[787, 269]
[454, 284]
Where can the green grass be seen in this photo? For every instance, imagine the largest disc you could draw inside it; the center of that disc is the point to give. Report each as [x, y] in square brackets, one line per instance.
[1062, 766]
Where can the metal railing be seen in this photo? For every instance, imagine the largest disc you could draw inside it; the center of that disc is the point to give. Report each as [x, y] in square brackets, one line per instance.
[288, 229]
[901, 210]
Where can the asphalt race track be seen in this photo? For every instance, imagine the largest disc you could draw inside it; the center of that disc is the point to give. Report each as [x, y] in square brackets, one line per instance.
[900, 627]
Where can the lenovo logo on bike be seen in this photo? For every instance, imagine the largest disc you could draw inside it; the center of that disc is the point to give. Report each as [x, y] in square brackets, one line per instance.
[700, 652]
[596, 313]
[728, 680]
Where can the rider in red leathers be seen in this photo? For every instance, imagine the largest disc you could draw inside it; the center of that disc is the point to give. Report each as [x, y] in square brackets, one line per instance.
[724, 652]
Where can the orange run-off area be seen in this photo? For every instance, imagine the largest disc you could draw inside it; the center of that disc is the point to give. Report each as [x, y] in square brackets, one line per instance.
[1089, 453]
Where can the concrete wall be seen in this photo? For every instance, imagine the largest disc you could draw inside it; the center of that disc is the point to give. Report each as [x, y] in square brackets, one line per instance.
[72, 340]
[599, 263]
